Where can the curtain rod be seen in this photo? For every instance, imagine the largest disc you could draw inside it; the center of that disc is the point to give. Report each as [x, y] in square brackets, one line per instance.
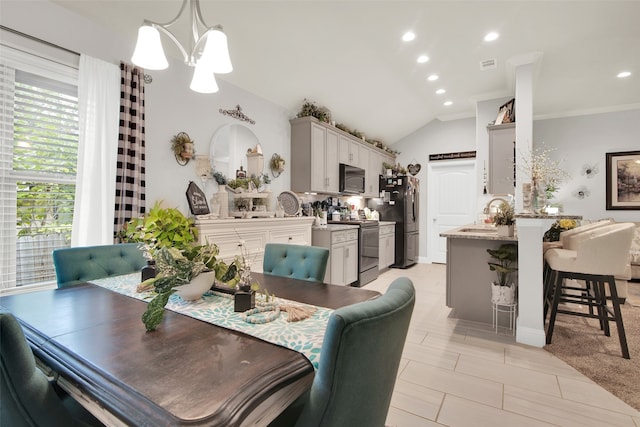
[39, 40]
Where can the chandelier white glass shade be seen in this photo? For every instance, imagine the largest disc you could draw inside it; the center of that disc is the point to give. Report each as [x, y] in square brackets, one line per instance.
[207, 52]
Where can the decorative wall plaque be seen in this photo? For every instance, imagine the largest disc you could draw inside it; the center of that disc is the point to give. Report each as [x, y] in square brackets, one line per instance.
[237, 114]
[197, 200]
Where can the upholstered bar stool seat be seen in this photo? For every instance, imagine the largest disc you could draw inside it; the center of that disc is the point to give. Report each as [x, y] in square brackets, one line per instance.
[597, 257]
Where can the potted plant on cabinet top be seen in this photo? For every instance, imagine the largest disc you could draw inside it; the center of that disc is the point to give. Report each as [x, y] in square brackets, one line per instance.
[502, 260]
[504, 220]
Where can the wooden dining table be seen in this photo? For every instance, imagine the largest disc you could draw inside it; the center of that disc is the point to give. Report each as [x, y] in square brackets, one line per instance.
[187, 372]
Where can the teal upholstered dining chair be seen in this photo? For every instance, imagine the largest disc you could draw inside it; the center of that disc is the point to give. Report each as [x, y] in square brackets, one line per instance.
[358, 363]
[27, 398]
[296, 261]
[83, 263]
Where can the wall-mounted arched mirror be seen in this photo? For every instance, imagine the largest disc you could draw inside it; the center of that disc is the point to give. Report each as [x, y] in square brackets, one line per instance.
[228, 149]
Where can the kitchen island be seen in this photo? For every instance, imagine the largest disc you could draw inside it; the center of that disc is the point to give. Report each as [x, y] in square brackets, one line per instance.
[468, 274]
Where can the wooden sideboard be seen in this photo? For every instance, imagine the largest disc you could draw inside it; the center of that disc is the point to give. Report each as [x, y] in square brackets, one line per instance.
[256, 233]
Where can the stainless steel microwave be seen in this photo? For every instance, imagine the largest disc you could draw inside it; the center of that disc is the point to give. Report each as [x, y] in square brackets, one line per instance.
[351, 179]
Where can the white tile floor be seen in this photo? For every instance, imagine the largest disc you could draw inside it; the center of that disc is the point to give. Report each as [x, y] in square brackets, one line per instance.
[460, 373]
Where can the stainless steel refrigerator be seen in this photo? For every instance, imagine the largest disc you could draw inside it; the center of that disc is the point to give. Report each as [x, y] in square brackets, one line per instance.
[399, 197]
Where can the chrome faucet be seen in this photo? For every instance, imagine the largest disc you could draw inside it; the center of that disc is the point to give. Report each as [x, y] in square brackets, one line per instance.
[487, 209]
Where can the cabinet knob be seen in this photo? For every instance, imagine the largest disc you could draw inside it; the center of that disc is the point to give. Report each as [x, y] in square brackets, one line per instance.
[290, 238]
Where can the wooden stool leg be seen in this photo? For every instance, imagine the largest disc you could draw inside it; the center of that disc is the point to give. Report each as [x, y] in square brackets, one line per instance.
[601, 300]
[559, 276]
[617, 313]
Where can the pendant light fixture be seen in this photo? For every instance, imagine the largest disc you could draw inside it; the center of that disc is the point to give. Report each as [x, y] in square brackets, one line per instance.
[207, 52]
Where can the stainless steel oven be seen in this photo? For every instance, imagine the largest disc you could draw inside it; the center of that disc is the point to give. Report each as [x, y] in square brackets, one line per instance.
[368, 242]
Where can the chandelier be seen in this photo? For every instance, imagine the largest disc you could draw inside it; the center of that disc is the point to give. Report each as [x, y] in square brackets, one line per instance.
[208, 52]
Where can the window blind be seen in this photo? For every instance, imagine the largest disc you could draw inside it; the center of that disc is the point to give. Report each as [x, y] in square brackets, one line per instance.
[39, 172]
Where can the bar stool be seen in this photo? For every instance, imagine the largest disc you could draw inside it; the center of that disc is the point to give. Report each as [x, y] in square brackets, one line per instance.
[597, 257]
[568, 240]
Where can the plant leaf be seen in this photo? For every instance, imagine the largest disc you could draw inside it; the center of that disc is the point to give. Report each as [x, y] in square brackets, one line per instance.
[155, 310]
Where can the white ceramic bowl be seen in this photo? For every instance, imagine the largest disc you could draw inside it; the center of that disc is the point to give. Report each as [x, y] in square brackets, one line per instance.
[199, 285]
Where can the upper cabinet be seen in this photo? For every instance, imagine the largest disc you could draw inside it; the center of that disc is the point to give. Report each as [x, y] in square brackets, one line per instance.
[353, 152]
[317, 149]
[314, 157]
[501, 177]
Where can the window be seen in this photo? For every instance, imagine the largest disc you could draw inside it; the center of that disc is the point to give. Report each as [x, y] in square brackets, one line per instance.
[38, 159]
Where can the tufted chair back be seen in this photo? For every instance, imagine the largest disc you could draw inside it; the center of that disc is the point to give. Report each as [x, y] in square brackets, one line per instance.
[80, 264]
[27, 398]
[296, 261]
[359, 363]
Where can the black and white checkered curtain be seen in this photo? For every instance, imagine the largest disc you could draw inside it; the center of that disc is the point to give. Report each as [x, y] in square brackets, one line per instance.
[130, 174]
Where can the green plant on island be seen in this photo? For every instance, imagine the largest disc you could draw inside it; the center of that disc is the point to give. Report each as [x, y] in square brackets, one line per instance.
[505, 215]
[553, 233]
[502, 260]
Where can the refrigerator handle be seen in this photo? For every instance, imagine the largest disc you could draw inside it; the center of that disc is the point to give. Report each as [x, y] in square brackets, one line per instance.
[413, 205]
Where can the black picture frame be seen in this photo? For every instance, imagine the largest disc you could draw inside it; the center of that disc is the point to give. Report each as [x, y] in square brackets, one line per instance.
[623, 180]
[509, 109]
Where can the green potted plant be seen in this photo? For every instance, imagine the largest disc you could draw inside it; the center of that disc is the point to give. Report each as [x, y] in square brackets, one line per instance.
[502, 262]
[188, 271]
[169, 239]
[160, 227]
[309, 108]
[504, 220]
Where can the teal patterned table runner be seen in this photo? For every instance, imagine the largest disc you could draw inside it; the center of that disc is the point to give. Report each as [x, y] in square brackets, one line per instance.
[304, 336]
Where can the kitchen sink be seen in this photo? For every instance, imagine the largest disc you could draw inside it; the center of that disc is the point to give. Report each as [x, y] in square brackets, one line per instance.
[479, 230]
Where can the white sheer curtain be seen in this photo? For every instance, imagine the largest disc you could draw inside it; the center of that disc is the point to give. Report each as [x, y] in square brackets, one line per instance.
[99, 99]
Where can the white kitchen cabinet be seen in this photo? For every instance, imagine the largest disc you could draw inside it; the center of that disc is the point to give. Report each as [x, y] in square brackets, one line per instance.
[372, 177]
[255, 232]
[502, 159]
[342, 242]
[353, 152]
[314, 157]
[387, 247]
[317, 149]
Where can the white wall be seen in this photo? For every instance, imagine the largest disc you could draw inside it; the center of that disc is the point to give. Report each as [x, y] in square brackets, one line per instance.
[435, 137]
[586, 140]
[170, 106]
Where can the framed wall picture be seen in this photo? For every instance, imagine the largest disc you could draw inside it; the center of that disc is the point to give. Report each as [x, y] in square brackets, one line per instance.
[623, 180]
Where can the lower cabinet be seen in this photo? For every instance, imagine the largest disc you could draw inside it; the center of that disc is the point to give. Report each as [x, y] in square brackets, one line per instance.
[256, 233]
[342, 268]
[387, 247]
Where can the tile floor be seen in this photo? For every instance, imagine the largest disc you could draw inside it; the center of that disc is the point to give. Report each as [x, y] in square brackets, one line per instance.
[460, 373]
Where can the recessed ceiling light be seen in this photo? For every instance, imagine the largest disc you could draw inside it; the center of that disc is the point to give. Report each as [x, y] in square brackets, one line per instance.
[491, 36]
[408, 36]
[433, 77]
[422, 59]
[624, 74]
[440, 91]
[447, 103]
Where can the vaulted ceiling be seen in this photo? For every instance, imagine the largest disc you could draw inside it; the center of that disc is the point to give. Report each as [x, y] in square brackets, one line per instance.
[349, 56]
